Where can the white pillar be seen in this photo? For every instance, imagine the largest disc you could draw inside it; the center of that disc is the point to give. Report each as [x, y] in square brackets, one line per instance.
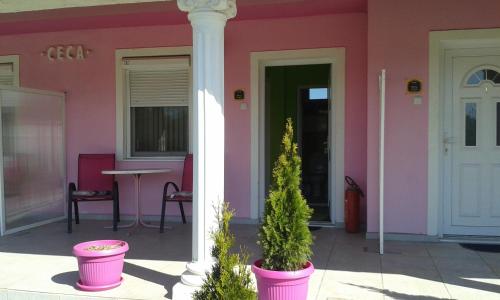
[208, 19]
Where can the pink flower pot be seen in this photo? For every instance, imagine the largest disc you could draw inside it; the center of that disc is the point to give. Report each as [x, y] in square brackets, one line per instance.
[282, 285]
[100, 269]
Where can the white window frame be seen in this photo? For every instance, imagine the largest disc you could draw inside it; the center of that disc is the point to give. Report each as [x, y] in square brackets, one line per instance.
[14, 60]
[123, 146]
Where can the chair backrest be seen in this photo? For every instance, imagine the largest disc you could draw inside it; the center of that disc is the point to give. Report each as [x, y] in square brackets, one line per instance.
[187, 175]
[90, 177]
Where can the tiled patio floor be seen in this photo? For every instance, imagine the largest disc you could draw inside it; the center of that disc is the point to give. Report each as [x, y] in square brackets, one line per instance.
[38, 265]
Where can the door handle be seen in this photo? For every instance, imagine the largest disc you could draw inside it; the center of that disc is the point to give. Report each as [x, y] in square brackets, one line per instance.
[448, 141]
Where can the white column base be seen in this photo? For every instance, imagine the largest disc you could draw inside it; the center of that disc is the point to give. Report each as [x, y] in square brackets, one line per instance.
[181, 291]
[191, 280]
[195, 274]
[198, 268]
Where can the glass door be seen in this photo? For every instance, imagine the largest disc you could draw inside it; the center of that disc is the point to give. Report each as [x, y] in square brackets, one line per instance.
[32, 158]
[312, 126]
[301, 92]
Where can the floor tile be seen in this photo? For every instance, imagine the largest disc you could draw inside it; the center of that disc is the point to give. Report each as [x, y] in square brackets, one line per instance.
[461, 265]
[448, 250]
[406, 249]
[394, 263]
[354, 261]
[472, 286]
[351, 285]
[315, 283]
[73, 297]
[414, 284]
[22, 295]
[492, 260]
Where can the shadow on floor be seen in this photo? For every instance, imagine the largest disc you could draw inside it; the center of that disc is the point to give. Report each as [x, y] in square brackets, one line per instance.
[168, 281]
[396, 295]
[66, 278]
[160, 278]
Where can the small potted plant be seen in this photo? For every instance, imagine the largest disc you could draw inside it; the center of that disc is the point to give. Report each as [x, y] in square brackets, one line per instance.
[283, 272]
[100, 264]
[229, 277]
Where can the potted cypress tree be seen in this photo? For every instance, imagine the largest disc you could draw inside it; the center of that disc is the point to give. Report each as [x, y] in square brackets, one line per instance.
[283, 272]
[229, 279]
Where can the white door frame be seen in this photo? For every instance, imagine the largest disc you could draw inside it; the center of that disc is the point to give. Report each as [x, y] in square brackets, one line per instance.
[439, 42]
[260, 60]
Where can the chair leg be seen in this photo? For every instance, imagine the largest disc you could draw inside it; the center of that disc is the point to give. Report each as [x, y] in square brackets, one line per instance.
[118, 210]
[70, 215]
[115, 214]
[77, 214]
[71, 189]
[117, 198]
[162, 221]
[182, 212]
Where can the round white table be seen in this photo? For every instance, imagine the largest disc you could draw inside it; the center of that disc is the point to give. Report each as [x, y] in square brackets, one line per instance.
[137, 179]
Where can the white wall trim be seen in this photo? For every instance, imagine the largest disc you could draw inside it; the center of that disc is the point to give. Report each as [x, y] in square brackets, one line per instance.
[14, 6]
[259, 60]
[14, 60]
[439, 42]
[121, 143]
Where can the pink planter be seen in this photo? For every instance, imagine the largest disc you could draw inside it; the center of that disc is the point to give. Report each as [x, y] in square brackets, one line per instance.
[282, 285]
[100, 269]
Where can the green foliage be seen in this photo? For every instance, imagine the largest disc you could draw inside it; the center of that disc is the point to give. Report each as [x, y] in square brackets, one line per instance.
[230, 277]
[284, 235]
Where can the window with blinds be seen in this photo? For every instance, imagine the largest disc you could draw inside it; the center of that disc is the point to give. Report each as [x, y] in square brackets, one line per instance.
[158, 98]
[7, 74]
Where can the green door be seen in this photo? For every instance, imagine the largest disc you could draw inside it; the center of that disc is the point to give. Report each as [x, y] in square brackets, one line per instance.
[301, 93]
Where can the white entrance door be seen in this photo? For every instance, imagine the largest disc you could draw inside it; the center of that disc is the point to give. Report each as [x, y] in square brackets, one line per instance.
[472, 142]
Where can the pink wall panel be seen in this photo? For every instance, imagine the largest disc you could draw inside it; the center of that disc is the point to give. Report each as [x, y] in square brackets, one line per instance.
[398, 41]
[90, 84]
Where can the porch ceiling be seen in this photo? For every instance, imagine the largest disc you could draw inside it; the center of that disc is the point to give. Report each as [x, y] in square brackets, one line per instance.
[25, 16]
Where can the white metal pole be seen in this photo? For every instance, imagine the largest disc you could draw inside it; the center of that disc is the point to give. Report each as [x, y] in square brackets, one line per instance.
[381, 160]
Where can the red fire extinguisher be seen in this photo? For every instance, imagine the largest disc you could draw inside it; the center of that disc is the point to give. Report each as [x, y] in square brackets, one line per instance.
[353, 195]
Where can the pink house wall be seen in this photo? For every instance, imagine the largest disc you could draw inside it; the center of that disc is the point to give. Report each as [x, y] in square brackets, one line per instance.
[398, 41]
[90, 85]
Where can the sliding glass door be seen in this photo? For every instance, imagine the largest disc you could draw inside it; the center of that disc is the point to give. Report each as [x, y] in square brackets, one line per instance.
[32, 148]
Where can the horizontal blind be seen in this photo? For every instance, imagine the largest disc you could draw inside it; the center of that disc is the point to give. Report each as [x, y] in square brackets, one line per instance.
[6, 74]
[158, 82]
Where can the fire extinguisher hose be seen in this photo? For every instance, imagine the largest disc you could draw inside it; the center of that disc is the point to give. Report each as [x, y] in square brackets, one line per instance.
[353, 185]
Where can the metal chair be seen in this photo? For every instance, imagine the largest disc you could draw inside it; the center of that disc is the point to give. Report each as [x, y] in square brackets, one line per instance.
[184, 194]
[93, 186]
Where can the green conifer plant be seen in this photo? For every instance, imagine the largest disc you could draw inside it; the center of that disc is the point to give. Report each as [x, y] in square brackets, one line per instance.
[229, 278]
[284, 235]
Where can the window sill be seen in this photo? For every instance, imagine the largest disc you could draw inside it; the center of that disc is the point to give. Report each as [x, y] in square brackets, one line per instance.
[152, 159]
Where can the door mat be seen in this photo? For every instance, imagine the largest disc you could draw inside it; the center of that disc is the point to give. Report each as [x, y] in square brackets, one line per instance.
[482, 247]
